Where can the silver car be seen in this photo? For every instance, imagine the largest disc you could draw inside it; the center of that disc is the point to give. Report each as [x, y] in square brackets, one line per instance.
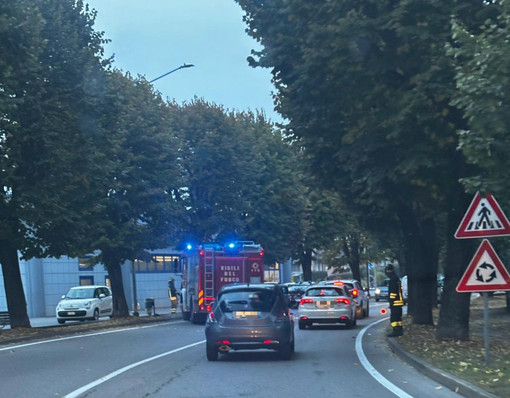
[327, 304]
[359, 294]
[248, 317]
[85, 303]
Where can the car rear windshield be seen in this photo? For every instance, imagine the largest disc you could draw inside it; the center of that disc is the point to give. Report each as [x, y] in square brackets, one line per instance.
[247, 300]
[325, 292]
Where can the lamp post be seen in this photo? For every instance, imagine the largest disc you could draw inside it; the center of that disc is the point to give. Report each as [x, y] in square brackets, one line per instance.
[172, 71]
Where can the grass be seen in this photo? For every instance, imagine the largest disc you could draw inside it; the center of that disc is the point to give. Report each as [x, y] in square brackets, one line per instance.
[466, 359]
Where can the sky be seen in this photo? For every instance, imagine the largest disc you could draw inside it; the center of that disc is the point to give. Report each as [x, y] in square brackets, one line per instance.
[153, 37]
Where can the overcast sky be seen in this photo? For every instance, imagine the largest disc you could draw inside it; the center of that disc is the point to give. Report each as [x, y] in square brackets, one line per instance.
[152, 37]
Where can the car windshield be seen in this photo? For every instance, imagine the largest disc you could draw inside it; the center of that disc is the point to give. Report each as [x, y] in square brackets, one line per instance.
[80, 294]
[247, 300]
[324, 292]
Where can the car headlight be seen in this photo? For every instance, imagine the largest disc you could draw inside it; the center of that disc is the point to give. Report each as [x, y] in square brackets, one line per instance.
[377, 291]
[88, 304]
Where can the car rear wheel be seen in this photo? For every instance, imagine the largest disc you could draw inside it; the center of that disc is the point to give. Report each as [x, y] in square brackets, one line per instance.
[367, 310]
[286, 351]
[211, 352]
[302, 325]
[352, 322]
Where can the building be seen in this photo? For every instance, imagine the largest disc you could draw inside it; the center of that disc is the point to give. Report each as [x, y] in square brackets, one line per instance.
[46, 280]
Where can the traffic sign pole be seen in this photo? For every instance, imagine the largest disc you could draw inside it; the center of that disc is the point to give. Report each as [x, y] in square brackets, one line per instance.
[486, 326]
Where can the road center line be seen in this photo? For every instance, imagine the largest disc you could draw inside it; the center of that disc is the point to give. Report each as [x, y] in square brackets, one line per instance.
[371, 370]
[89, 386]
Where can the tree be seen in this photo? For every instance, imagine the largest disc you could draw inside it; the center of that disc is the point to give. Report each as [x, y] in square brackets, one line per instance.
[239, 179]
[482, 88]
[139, 203]
[366, 87]
[50, 162]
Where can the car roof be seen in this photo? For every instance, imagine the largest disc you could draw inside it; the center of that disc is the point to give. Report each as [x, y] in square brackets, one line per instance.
[241, 286]
[88, 287]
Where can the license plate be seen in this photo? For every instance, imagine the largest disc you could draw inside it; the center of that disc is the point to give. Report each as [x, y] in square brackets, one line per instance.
[246, 314]
[322, 304]
[71, 313]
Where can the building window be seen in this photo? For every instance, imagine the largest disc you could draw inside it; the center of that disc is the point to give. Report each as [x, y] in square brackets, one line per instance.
[160, 263]
[107, 281]
[85, 263]
[272, 273]
[86, 280]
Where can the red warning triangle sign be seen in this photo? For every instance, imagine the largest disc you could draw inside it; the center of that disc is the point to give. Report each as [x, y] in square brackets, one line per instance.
[485, 273]
[484, 218]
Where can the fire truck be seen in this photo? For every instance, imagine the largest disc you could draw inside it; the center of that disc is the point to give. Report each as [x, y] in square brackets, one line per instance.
[208, 267]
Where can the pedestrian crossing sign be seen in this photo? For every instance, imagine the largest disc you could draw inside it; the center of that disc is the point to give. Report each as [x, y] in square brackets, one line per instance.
[485, 273]
[484, 218]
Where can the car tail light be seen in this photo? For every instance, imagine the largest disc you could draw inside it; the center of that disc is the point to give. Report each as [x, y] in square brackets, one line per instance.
[355, 292]
[211, 317]
[306, 301]
[343, 301]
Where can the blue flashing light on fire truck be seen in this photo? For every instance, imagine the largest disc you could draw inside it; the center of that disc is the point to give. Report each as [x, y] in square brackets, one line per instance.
[208, 267]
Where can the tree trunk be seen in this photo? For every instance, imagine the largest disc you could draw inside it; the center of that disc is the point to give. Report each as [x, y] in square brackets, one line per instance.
[120, 307]
[421, 263]
[454, 312]
[306, 264]
[14, 293]
[354, 259]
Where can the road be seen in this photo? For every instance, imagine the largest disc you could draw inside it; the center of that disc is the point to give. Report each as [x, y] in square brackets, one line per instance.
[168, 360]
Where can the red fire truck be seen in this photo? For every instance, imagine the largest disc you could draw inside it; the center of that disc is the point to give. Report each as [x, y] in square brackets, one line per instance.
[208, 267]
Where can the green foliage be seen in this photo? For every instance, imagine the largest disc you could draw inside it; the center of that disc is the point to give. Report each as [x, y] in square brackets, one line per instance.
[51, 73]
[483, 86]
[240, 179]
[367, 86]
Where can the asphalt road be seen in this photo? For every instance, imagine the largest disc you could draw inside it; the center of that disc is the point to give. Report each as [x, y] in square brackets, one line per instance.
[168, 360]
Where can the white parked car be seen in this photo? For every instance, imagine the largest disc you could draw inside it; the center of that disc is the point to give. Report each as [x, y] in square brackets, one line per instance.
[85, 303]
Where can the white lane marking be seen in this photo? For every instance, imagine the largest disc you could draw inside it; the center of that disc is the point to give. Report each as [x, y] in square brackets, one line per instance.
[103, 379]
[13, 347]
[370, 369]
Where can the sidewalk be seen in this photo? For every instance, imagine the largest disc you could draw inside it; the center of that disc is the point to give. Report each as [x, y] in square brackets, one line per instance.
[460, 386]
[39, 322]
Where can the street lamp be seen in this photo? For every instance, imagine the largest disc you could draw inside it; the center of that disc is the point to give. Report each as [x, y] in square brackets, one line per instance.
[172, 71]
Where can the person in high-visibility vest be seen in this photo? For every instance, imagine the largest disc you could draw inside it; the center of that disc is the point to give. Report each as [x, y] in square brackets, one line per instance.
[172, 293]
[396, 301]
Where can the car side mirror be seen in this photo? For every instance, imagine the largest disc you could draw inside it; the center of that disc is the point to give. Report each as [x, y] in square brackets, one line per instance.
[63, 296]
[102, 295]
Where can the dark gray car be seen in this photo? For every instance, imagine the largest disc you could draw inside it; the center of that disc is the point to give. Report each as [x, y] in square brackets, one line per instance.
[248, 317]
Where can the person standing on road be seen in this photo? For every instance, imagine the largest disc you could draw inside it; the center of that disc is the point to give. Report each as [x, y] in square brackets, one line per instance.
[172, 294]
[396, 301]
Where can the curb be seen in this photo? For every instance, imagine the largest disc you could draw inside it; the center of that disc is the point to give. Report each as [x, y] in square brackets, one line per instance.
[453, 383]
